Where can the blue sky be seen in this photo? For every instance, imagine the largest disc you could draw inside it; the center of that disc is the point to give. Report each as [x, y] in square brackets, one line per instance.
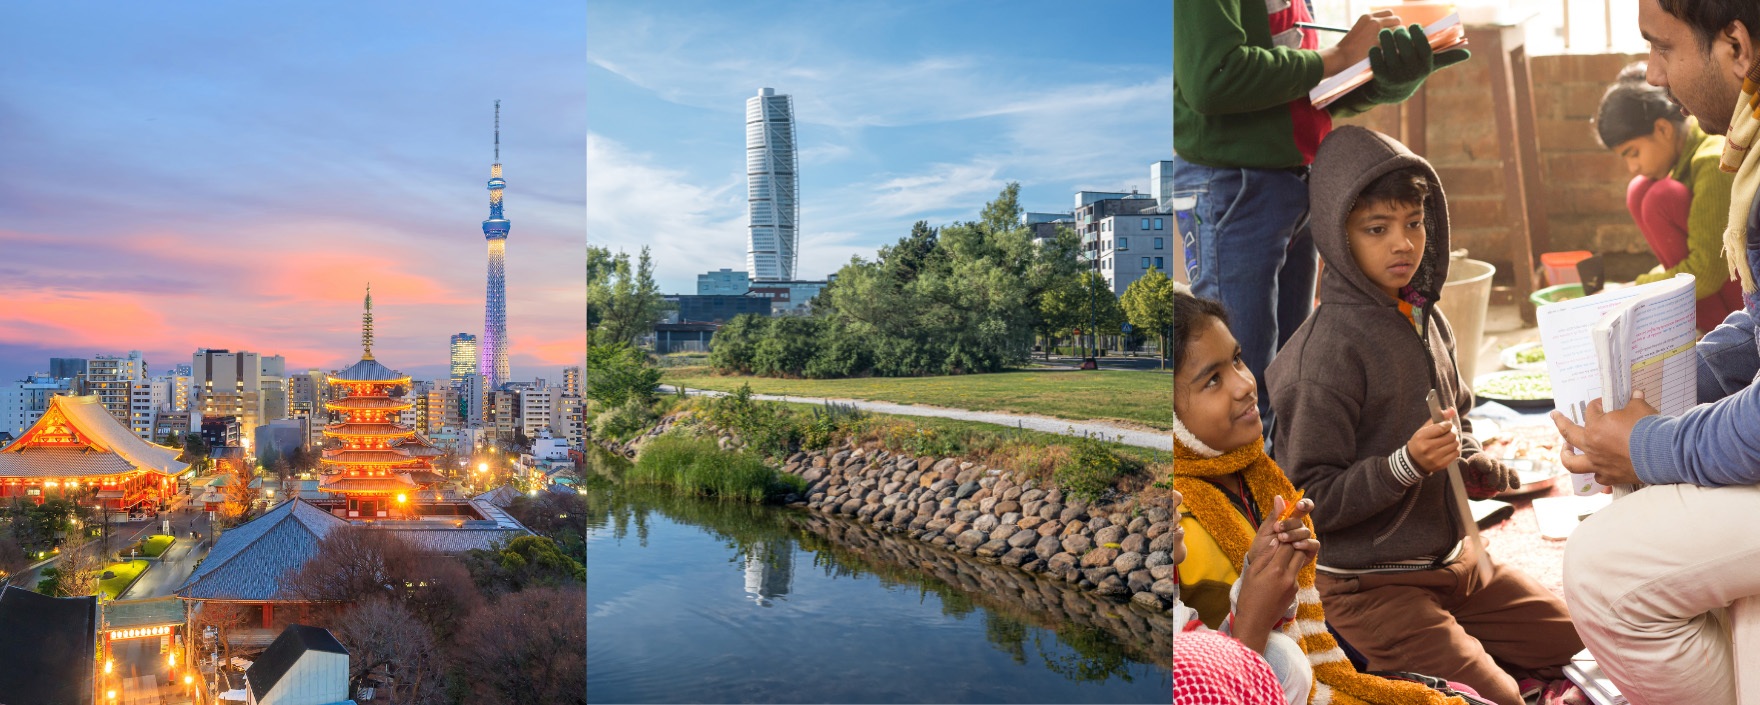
[906, 111]
[230, 175]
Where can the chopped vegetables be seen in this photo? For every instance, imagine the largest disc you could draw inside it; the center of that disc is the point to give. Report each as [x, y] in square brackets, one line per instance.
[1531, 355]
[1517, 386]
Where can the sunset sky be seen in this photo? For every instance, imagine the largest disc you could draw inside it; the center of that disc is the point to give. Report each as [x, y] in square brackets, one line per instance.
[232, 175]
[906, 110]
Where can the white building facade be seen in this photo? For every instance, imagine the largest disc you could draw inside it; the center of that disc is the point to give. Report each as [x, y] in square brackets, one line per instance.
[772, 187]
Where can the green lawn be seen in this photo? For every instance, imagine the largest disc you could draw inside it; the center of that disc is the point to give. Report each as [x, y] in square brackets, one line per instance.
[1144, 398]
[125, 575]
[155, 545]
[958, 428]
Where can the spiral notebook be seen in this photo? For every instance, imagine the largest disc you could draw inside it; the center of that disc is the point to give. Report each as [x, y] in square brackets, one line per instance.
[1444, 34]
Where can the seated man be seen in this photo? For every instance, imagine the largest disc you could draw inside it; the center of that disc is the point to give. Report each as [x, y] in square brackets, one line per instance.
[1647, 577]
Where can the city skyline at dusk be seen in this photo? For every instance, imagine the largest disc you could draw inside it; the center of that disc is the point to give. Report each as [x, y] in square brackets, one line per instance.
[165, 201]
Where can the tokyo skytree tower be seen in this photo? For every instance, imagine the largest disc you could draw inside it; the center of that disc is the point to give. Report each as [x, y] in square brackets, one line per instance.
[492, 348]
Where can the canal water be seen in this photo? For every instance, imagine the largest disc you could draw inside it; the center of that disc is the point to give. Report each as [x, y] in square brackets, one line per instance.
[695, 600]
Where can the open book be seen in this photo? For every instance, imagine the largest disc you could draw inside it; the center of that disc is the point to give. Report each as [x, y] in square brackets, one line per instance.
[1613, 343]
[1446, 33]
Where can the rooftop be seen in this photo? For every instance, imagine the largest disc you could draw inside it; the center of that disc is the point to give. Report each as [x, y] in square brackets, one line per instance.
[76, 437]
[47, 645]
[247, 563]
[284, 652]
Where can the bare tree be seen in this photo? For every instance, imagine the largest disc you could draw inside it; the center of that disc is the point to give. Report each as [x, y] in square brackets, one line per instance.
[12, 559]
[527, 647]
[238, 496]
[223, 616]
[76, 572]
[358, 564]
[387, 643]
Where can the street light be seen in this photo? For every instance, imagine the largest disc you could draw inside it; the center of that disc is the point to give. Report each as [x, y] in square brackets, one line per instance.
[401, 499]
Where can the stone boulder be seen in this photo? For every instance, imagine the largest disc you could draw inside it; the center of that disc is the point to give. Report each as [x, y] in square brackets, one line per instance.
[1047, 547]
[1077, 544]
[1022, 538]
[1111, 587]
[1108, 534]
[970, 539]
[1134, 543]
[1099, 557]
[1128, 562]
[1149, 600]
[992, 548]
[985, 523]
[1060, 563]
[1158, 558]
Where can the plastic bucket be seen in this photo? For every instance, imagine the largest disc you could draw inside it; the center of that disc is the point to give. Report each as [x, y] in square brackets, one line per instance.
[1466, 297]
[1555, 294]
[1561, 267]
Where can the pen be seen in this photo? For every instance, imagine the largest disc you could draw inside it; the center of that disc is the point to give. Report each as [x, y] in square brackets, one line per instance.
[1291, 509]
[1322, 27]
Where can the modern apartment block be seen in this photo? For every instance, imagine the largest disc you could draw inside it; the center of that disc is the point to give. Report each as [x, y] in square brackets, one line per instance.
[571, 381]
[24, 401]
[113, 380]
[724, 282]
[226, 383]
[535, 409]
[772, 187]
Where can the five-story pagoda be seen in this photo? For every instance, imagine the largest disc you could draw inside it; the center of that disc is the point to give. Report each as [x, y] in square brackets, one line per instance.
[371, 466]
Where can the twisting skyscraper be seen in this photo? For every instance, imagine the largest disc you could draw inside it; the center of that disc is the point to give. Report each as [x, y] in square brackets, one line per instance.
[771, 187]
[492, 347]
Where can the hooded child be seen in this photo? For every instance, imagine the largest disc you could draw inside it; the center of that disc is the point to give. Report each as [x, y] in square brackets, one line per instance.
[1399, 582]
[1234, 559]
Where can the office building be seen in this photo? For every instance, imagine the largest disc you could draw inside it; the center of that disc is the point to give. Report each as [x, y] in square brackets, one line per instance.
[226, 383]
[724, 282]
[571, 381]
[24, 401]
[112, 379]
[773, 207]
[464, 356]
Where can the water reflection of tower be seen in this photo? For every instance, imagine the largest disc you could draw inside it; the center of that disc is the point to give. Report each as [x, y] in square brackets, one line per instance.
[769, 570]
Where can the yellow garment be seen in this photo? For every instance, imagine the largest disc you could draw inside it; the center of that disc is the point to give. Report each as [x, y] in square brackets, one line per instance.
[1207, 574]
[1335, 680]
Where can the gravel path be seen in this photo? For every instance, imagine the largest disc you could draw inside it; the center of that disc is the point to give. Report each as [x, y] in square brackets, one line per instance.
[1108, 431]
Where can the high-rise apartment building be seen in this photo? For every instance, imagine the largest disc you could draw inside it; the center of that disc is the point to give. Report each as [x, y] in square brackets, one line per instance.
[464, 356]
[535, 408]
[273, 385]
[504, 404]
[571, 381]
[566, 420]
[113, 379]
[226, 383]
[772, 188]
[24, 401]
[142, 411]
[492, 350]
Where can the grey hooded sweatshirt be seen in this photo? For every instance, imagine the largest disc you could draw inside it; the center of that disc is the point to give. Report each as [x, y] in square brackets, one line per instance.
[1348, 390]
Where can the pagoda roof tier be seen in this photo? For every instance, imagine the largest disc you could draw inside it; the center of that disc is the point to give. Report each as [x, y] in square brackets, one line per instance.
[350, 456]
[368, 430]
[76, 437]
[426, 477]
[368, 370]
[349, 484]
[368, 403]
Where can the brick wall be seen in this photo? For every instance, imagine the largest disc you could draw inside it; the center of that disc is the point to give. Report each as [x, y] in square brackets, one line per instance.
[1582, 185]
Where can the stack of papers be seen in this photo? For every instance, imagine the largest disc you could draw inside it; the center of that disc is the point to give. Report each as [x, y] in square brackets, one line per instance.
[1587, 674]
[1444, 34]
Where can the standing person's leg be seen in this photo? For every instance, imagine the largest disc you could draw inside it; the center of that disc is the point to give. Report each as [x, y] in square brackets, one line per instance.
[1398, 622]
[1644, 577]
[1516, 619]
[1245, 221]
[1660, 209]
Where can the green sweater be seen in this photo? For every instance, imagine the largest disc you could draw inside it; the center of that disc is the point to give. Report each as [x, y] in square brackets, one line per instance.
[1232, 87]
[1709, 213]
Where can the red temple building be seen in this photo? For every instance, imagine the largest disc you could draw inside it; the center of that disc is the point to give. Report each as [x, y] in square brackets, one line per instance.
[380, 467]
[78, 450]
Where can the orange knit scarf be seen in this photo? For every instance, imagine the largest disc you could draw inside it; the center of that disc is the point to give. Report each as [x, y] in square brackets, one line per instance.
[1336, 681]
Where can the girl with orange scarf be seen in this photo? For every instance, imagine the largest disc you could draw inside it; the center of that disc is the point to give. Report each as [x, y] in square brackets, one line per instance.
[1235, 576]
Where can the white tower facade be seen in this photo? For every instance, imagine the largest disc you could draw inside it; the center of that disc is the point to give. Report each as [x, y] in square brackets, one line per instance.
[772, 187]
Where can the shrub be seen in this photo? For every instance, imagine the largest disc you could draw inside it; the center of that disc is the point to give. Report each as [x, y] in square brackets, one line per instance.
[697, 465]
[1090, 470]
[828, 424]
[736, 342]
[617, 373]
[842, 353]
[766, 429]
[791, 343]
[625, 420]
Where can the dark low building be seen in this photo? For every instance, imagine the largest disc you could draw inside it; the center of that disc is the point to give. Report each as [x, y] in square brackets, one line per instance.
[683, 337]
[48, 648]
[716, 309]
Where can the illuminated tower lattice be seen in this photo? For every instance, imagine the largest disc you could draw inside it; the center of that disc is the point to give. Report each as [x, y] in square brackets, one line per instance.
[493, 346]
[373, 455]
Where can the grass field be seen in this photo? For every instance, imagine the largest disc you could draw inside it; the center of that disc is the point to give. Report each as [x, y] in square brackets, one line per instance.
[125, 574]
[1144, 398]
[155, 545]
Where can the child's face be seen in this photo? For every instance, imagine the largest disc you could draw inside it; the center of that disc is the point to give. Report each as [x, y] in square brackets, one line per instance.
[1387, 241]
[1652, 155]
[1214, 394]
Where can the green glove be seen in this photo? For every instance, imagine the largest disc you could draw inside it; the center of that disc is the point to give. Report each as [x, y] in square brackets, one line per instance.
[1402, 62]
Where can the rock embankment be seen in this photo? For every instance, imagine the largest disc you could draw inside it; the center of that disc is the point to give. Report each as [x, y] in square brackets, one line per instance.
[1122, 549]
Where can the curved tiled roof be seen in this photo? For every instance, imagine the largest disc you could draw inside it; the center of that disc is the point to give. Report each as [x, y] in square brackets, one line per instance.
[117, 449]
[368, 370]
[368, 402]
[384, 483]
[346, 456]
[381, 430]
[248, 562]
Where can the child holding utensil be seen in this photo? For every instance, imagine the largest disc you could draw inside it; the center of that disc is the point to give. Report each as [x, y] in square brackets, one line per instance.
[1354, 430]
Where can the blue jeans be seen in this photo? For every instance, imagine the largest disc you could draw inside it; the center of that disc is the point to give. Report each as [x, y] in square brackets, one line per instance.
[1247, 245]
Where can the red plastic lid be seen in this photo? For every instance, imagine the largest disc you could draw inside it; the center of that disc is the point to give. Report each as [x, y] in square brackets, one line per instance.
[1565, 259]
